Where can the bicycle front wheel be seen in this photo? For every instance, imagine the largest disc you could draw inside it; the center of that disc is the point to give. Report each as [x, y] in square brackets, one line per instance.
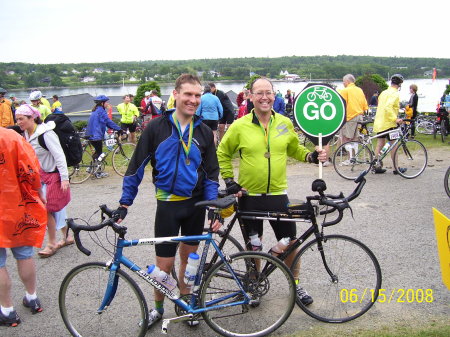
[81, 172]
[447, 182]
[410, 158]
[351, 158]
[443, 130]
[122, 156]
[272, 294]
[353, 287]
[81, 294]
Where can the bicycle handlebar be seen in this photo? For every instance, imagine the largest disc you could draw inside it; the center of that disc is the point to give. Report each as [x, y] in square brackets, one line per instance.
[111, 221]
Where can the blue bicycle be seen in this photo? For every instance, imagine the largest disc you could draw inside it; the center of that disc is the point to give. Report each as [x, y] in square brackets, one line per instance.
[101, 299]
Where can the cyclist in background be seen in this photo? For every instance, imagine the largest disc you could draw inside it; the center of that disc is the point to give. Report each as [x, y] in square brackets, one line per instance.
[386, 117]
[36, 101]
[129, 113]
[98, 121]
[264, 140]
[184, 172]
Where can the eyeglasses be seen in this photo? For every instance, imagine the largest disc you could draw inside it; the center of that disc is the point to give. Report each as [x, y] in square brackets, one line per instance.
[261, 94]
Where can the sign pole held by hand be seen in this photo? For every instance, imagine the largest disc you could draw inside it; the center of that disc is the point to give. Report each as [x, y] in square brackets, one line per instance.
[320, 163]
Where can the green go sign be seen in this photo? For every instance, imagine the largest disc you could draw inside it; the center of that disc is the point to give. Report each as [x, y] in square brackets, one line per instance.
[319, 109]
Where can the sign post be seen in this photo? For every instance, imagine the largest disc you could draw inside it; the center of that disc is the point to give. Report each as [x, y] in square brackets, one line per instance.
[319, 111]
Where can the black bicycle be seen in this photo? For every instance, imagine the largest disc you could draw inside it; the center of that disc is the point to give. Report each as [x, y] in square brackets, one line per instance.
[447, 181]
[329, 267]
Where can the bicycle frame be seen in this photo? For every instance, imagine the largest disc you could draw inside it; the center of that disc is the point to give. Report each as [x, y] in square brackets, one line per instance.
[191, 307]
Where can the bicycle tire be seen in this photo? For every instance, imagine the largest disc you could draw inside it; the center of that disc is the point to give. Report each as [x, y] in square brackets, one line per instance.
[81, 294]
[350, 168]
[85, 169]
[231, 246]
[356, 268]
[434, 130]
[443, 130]
[412, 156]
[121, 157]
[447, 182]
[274, 293]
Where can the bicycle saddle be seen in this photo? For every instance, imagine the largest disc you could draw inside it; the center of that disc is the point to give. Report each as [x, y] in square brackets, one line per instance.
[219, 203]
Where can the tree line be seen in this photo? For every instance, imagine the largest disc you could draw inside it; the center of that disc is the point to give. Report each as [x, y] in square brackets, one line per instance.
[26, 75]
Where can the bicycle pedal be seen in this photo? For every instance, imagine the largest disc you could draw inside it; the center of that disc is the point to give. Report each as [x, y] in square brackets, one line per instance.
[165, 323]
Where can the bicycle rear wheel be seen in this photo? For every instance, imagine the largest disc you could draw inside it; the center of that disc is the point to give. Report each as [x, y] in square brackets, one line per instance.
[356, 270]
[122, 156]
[81, 294]
[81, 172]
[410, 158]
[351, 158]
[443, 130]
[273, 294]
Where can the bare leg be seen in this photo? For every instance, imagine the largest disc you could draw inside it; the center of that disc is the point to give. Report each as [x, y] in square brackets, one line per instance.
[221, 129]
[51, 230]
[133, 137]
[165, 264]
[5, 288]
[27, 273]
[185, 250]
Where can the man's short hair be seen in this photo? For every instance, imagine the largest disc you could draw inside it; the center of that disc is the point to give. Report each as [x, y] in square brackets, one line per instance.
[127, 95]
[55, 97]
[257, 79]
[154, 92]
[186, 78]
[211, 85]
[349, 78]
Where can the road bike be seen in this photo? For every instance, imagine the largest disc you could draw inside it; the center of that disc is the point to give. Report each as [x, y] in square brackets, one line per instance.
[329, 265]
[321, 93]
[245, 294]
[410, 155]
[88, 167]
[441, 124]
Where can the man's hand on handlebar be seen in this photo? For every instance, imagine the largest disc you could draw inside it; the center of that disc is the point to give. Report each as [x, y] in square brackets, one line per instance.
[120, 213]
[233, 187]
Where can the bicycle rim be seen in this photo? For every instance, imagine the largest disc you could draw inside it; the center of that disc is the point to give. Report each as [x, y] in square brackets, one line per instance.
[443, 130]
[231, 246]
[350, 166]
[81, 294]
[410, 159]
[357, 272]
[81, 172]
[274, 293]
[122, 156]
[447, 182]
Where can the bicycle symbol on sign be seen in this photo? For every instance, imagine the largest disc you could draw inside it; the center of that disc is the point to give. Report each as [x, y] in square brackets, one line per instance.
[320, 92]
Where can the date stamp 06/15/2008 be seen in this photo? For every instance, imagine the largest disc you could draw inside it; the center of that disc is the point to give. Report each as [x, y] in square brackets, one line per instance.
[397, 295]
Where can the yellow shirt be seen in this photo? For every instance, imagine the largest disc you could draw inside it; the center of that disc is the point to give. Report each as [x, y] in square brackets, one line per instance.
[44, 110]
[6, 117]
[55, 105]
[171, 102]
[355, 100]
[45, 102]
[387, 111]
[128, 111]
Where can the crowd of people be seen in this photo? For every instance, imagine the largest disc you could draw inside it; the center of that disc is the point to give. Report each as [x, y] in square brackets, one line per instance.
[180, 143]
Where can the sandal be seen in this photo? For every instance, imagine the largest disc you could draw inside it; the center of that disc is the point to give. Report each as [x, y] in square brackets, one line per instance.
[48, 251]
[64, 243]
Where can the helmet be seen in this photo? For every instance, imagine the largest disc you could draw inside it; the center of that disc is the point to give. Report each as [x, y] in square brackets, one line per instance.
[147, 93]
[35, 95]
[397, 79]
[101, 98]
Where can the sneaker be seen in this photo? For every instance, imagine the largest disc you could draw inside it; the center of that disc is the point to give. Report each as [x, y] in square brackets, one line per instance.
[12, 319]
[192, 322]
[34, 305]
[303, 296]
[99, 175]
[346, 163]
[326, 164]
[401, 169]
[379, 170]
[153, 317]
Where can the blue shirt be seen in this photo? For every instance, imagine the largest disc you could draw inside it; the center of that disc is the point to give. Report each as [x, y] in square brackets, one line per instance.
[279, 105]
[210, 107]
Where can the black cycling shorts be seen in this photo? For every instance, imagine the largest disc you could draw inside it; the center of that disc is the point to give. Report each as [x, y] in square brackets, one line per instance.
[227, 118]
[173, 215]
[212, 124]
[387, 134]
[275, 203]
[128, 126]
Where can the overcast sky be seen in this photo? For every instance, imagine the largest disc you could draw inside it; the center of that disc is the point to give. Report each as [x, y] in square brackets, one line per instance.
[68, 31]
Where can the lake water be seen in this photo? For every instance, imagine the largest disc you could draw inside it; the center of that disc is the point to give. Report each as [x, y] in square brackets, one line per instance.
[429, 92]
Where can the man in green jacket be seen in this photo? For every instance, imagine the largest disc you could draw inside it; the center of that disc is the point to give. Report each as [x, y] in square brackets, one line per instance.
[264, 140]
[129, 113]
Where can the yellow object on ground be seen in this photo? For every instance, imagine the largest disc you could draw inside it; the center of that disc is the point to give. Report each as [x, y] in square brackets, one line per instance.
[442, 226]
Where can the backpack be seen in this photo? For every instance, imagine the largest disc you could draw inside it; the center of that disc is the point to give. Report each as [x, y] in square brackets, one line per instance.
[68, 137]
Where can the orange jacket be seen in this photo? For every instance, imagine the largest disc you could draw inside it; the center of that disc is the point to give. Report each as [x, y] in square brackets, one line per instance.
[23, 217]
[6, 117]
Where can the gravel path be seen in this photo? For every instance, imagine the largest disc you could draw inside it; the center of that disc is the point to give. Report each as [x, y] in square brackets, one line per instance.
[392, 217]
